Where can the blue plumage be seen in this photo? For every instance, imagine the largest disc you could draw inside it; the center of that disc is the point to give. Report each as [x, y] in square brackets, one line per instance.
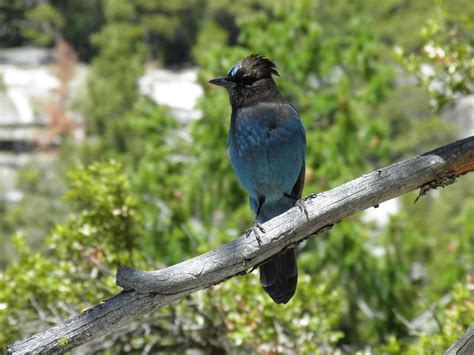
[267, 147]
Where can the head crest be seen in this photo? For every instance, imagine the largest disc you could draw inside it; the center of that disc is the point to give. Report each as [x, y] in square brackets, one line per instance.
[255, 65]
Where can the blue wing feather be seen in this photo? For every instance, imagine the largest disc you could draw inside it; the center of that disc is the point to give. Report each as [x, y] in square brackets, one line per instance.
[267, 147]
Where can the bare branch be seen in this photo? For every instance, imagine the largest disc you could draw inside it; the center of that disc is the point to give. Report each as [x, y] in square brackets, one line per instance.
[464, 345]
[148, 290]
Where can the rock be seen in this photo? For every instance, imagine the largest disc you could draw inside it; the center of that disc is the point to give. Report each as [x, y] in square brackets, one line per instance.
[26, 56]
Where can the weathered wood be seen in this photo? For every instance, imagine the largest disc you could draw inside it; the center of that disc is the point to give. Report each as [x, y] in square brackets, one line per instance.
[148, 290]
[464, 345]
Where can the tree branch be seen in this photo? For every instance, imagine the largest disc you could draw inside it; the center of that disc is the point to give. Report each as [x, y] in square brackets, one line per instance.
[148, 290]
[464, 345]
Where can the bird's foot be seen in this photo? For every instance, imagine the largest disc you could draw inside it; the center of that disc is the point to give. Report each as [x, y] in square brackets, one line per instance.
[256, 226]
[302, 207]
[300, 203]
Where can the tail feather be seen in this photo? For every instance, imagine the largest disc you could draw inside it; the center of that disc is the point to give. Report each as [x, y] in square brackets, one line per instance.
[279, 276]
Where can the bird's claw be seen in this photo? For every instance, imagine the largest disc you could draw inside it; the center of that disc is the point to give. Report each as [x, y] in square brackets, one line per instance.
[254, 229]
[302, 207]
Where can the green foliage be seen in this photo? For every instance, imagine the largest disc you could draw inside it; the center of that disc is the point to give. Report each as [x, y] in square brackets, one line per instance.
[452, 320]
[445, 66]
[12, 16]
[112, 87]
[170, 27]
[255, 323]
[44, 24]
[72, 270]
[157, 158]
[41, 22]
[2, 83]
[43, 187]
[82, 19]
[397, 22]
[173, 194]
[108, 219]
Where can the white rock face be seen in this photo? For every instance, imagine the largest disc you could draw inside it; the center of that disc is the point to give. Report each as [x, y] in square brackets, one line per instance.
[179, 90]
[26, 56]
[8, 111]
[27, 83]
[25, 87]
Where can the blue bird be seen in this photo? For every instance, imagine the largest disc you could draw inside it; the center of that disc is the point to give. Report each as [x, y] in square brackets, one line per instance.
[267, 148]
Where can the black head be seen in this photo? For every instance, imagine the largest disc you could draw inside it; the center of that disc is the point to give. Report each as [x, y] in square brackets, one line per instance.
[250, 81]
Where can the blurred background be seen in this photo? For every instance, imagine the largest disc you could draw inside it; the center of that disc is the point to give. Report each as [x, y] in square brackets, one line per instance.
[113, 151]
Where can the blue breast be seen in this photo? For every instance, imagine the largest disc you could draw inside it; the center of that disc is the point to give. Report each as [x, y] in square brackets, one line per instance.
[267, 149]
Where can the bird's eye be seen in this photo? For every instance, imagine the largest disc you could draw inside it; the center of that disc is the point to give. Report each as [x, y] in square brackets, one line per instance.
[248, 80]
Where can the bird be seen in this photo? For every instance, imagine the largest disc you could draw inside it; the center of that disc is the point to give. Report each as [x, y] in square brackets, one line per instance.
[267, 149]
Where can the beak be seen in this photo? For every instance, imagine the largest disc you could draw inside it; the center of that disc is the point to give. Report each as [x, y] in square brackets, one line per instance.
[222, 82]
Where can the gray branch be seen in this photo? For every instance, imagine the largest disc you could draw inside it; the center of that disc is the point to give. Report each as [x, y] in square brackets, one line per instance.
[148, 290]
[464, 345]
